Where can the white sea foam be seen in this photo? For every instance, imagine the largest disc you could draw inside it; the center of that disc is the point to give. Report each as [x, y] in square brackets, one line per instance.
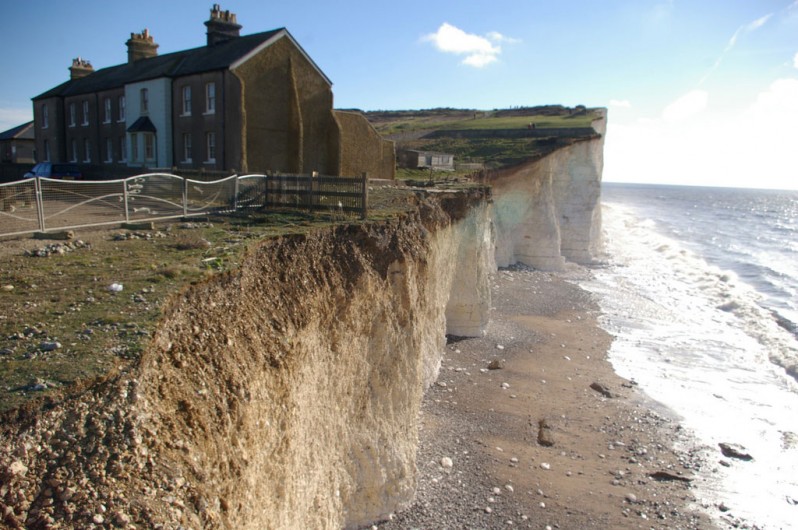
[698, 339]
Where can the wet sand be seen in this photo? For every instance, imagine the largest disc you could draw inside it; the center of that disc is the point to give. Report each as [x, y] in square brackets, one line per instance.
[530, 443]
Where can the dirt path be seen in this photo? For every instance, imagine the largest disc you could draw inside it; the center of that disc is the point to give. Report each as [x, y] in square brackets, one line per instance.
[531, 444]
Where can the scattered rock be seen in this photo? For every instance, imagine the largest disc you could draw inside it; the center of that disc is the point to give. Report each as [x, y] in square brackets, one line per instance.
[7, 288]
[631, 498]
[545, 465]
[17, 468]
[734, 451]
[49, 345]
[505, 385]
[545, 433]
[496, 364]
[601, 389]
[446, 462]
[664, 476]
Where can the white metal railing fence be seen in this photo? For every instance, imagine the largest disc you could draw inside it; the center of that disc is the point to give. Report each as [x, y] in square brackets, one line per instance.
[42, 204]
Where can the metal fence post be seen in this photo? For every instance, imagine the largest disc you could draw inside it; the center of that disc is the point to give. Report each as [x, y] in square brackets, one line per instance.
[185, 196]
[364, 196]
[37, 187]
[125, 201]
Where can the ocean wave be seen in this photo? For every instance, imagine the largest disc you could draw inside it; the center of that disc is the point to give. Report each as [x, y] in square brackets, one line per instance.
[691, 289]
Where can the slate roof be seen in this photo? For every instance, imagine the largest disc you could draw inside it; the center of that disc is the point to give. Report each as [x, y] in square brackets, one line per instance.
[187, 62]
[24, 132]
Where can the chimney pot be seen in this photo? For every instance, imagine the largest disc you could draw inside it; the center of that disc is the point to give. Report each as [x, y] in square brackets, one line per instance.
[222, 26]
[141, 46]
[80, 68]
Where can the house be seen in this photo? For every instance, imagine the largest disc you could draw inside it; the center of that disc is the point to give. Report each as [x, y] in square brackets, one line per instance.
[426, 160]
[17, 145]
[252, 103]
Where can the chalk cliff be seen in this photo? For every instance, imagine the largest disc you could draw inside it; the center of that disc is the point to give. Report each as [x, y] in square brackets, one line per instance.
[285, 394]
[548, 210]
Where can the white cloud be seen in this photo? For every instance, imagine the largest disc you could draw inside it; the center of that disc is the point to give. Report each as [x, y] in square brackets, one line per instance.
[745, 28]
[479, 51]
[620, 103]
[715, 147]
[781, 97]
[758, 23]
[686, 106]
[498, 37]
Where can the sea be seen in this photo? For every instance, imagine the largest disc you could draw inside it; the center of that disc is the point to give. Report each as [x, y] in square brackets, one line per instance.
[699, 286]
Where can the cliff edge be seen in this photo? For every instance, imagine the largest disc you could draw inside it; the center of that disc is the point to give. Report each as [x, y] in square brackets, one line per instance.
[286, 393]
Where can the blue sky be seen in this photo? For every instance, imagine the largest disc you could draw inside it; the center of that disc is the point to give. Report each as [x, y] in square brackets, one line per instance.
[699, 91]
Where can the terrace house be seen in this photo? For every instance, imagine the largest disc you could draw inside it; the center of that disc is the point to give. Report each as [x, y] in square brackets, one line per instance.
[239, 104]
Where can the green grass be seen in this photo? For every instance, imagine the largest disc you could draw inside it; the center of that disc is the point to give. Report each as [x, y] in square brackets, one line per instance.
[388, 123]
[520, 122]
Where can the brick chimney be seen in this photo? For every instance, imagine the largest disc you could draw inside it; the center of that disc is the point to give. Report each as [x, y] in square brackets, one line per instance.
[141, 46]
[80, 68]
[222, 26]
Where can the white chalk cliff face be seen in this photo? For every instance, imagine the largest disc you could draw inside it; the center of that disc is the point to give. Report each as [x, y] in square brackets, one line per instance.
[549, 210]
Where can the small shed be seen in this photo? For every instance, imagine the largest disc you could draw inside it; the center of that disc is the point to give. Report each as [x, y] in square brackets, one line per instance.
[415, 159]
[17, 145]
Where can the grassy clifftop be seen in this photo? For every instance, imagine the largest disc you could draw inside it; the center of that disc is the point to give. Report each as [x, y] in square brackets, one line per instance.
[421, 130]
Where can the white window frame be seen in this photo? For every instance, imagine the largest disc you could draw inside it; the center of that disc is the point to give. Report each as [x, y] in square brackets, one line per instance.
[210, 98]
[45, 117]
[121, 104]
[187, 148]
[210, 147]
[186, 91]
[144, 95]
[85, 120]
[73, 114]
[107, 110]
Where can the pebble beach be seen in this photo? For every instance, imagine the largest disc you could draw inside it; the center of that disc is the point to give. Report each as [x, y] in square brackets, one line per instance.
[529, 426]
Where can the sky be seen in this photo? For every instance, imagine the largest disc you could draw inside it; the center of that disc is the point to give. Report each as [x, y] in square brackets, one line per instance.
[700, 92]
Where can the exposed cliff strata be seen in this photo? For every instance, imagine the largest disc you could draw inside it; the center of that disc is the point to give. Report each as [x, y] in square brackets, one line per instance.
[283, 395]
[549, 210]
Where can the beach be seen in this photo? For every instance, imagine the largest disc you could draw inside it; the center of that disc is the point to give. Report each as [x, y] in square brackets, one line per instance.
[530, 427]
